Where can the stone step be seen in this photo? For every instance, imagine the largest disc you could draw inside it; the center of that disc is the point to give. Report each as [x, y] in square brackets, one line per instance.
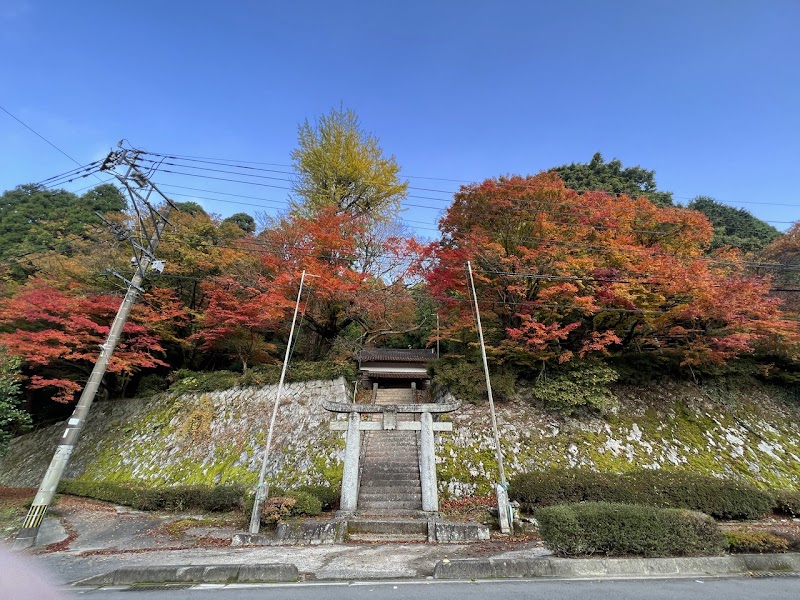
[392, 513]
[401, 459]
[379, 468]
[393, 485]
[406, 526]
[390, 454]
[391, 505]
[399, 538]
[395, 499]
[376, 493]
[387, 483]
[389, 475]
[401, 464]
[390, 496]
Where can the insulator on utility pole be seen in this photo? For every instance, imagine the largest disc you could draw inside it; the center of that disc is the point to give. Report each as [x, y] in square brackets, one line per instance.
[152, 228]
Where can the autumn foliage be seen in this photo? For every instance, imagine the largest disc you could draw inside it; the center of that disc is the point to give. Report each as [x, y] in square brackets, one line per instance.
[561, 275]
[58, 334]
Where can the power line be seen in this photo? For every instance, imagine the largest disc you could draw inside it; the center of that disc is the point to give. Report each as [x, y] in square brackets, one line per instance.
[450, 192]
[281, 250]
[578, 205]
[544, 240]
[522, 239]
[21, 122]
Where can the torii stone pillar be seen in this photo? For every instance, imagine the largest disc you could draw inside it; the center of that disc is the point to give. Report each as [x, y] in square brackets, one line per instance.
[352, 450]
[427, 465]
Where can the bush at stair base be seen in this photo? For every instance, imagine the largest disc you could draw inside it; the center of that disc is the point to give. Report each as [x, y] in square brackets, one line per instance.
[627, 530]
[282, 505]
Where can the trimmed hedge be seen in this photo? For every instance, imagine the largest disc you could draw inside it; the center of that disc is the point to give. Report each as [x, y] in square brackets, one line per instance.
[788, 503]
[309, 500]
[720, 498]
[627, 529]
[211, 499]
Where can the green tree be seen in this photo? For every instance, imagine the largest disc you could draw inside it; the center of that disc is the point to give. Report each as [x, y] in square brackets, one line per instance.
[12, 418]
[243, 221]
[339, 164]
[734, 226]
[611, 177]
[35, 220]
[191, 208]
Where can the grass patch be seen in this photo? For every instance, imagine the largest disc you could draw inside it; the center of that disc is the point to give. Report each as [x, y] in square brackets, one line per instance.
[755, 542]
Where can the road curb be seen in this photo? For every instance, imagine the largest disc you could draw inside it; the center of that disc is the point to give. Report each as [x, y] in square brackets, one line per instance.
[244, 573]
[495, 568]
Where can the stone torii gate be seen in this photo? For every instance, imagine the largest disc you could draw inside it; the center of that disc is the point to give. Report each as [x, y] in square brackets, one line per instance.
[389, 422]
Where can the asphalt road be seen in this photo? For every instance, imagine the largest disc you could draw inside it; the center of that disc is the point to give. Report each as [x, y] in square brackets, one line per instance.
[765, 588]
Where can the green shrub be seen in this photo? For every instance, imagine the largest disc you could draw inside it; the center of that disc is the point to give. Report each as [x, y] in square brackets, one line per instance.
[465, 379]
[186, 381]
[562, 486]
[152, 384]
[178, 498]
[720, 498]
[751, 542]
[627, 529]
[328, 496]
[575, 386]
[305, 504]
[787, 502]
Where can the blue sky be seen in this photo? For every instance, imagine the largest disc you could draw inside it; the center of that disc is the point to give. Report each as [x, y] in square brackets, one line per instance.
[706, 93]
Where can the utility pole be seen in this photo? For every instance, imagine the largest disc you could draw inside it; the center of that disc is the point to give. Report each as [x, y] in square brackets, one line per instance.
[503, 507]
[151, 222]
[262, 489]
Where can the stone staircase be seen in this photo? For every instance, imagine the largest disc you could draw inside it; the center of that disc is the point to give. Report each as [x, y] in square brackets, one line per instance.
[390, 481]
[390, 494]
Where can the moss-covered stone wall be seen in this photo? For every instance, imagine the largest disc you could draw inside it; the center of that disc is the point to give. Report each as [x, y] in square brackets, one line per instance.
[205, 438]
[750, 431]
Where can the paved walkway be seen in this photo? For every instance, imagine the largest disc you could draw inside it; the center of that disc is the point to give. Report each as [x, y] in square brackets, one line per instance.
[87, 539]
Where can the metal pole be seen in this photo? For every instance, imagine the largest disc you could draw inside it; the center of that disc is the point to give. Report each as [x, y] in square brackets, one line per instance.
[437, 336]
[262, 490]
[47, 489]
[498, 450]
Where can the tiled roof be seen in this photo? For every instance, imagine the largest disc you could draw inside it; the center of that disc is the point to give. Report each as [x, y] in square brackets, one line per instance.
[395, 375]
[395, 355]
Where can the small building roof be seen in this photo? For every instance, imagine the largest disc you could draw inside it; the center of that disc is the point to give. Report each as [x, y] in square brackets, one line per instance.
[396, 355]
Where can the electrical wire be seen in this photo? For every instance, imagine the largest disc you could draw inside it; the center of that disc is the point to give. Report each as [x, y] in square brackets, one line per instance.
[36, 133]
[621, 218]
[450, 192]
[526, 239]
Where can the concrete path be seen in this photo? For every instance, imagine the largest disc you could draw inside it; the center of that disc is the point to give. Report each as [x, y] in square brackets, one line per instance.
[96, 539]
